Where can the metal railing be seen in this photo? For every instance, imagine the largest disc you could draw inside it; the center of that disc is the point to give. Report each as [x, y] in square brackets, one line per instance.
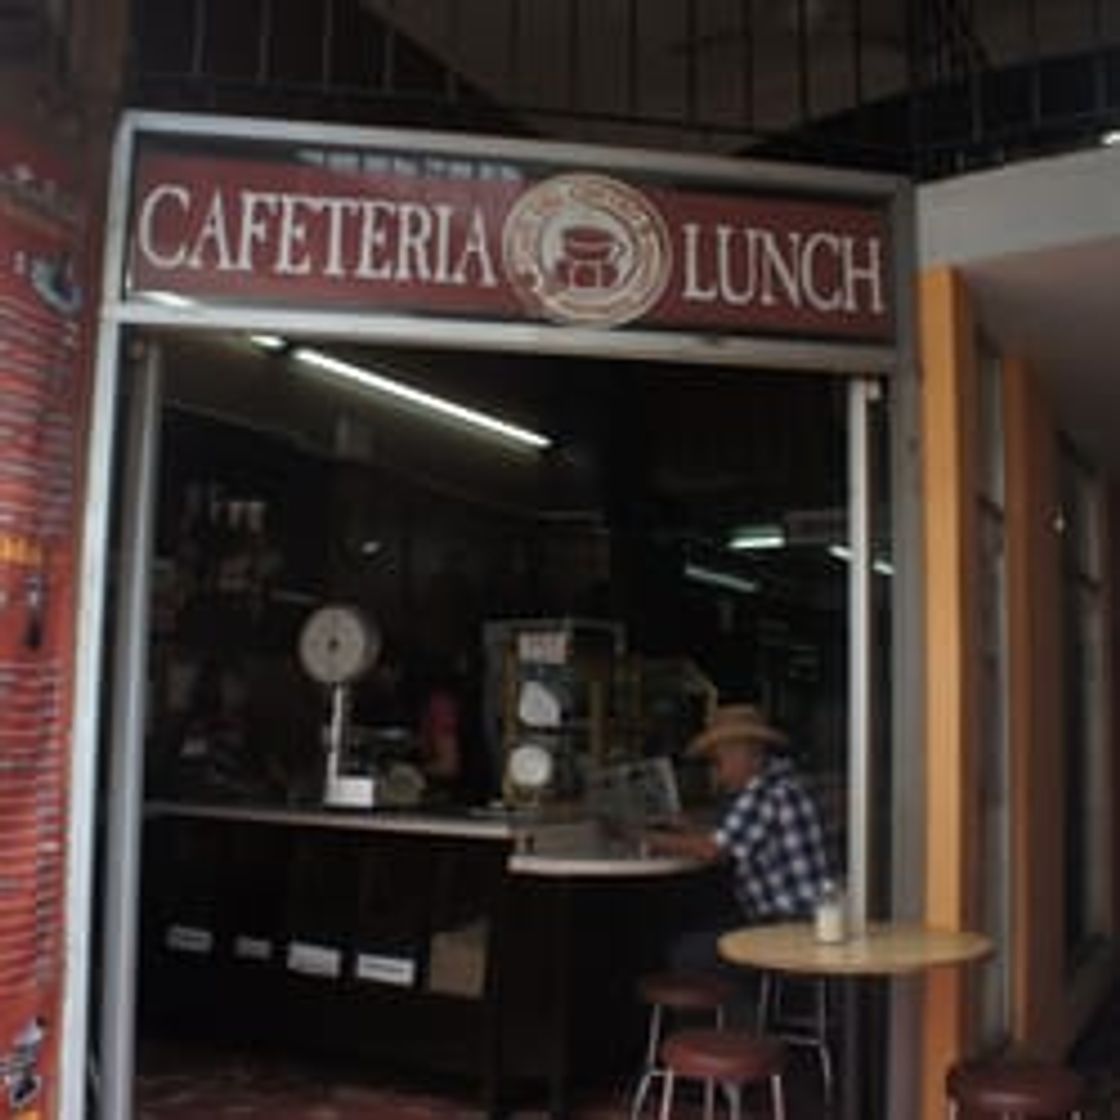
[925, 87]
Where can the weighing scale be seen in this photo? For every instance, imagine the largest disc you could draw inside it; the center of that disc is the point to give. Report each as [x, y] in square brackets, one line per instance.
[337, 645]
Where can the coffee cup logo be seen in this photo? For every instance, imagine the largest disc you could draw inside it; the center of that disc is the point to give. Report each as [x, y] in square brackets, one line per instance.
[587, 250]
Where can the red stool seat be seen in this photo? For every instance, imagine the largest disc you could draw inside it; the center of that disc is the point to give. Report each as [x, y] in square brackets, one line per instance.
[728, 1056]
[686, 990]
[675, 994]
[1027, 1089]
[728, 1059]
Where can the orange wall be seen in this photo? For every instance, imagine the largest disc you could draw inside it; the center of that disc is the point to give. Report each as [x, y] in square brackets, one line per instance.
[1049, 1004]
[1053, 997]
[1035, 711]
[949, 408]
[1114, 677]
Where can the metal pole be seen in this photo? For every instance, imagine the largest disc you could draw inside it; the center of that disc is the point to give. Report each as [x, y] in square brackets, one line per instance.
[802, 62]
[83, 733]
[746, 64]
[907, 730]
[691, 75]
[264, 43]
[125, 790]
[574, 36]
[326, 47]
[860, 393]
[90, 591]
[198, 38]
[632, 58]
[513, 52]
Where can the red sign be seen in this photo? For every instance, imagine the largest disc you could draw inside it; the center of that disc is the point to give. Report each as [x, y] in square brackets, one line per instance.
[42, 401]
[456, 239]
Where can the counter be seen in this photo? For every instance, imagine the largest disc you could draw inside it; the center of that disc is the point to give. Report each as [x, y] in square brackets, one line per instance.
[567, 848]
[437, 940]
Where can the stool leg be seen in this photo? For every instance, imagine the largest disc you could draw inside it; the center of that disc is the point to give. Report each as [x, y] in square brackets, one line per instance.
[638, 1104]
[709, 1099]
[762, 1014]
[778, 1097]
[734, 1101]
[667, 1095]
[823, 1051]
[653, 1043]
[826, 1071]
[653, 1040]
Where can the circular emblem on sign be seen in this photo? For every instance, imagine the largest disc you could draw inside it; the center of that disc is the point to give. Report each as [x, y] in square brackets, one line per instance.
[586, 249]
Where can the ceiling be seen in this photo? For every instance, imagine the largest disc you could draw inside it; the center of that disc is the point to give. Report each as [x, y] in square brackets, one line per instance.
[721, 73]
[731, 67]
[1039, 243]
[1059, 309]
[26, 27]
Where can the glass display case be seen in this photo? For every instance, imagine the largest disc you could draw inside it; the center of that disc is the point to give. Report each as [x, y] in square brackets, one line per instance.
[569, 688]
[550, 685]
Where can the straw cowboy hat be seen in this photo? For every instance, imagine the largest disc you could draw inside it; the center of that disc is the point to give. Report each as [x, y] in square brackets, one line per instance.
[736, 725]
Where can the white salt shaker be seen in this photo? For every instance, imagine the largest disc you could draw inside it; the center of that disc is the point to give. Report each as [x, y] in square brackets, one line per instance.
[831, 918]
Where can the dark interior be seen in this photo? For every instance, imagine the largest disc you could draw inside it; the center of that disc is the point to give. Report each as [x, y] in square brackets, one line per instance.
[435, 530]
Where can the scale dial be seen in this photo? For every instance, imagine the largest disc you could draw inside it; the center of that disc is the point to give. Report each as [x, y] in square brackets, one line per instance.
[338, 644]
[529, 768]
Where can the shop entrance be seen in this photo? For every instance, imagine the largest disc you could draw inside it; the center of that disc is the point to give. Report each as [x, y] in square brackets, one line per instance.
[688, 519]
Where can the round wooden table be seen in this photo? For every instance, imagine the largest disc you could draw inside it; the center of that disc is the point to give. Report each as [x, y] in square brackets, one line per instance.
[883, 950]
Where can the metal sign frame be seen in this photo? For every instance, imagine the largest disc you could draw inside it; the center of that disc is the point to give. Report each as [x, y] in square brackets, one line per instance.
[462, 333]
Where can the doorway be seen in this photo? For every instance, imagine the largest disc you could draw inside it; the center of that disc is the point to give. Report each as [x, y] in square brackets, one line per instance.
[722, 519]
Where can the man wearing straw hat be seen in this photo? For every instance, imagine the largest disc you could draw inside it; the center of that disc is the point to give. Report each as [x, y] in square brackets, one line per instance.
[771, 833]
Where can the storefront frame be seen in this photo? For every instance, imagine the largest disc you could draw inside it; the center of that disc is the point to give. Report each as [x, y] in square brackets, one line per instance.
[895, 363]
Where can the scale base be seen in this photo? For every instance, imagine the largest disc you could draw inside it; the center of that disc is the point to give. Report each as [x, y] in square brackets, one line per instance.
[355, 792]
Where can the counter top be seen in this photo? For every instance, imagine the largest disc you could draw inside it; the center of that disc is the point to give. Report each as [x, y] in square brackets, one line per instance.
[400, 821]
[605, 866]
[542, 848]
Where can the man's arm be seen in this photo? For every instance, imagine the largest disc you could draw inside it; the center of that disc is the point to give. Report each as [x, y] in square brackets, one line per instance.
[691, 844]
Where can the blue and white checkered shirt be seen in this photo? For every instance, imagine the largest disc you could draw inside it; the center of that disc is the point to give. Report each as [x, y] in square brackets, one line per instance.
[773, 835]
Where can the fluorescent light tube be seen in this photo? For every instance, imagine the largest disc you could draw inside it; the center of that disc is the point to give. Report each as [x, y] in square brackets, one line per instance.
[725, 581]
[268, 341]
[844, 553]
[168, 299]
[378, 383]
[753, 538]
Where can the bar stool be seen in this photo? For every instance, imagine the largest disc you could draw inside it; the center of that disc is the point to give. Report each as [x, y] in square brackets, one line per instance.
[808, 1030]
[1015, 1091]
[665, 992]
[730, 1059]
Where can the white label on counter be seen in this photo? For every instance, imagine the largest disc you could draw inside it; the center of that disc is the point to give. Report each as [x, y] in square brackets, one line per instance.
[252, 948]
[314, 960]
[400, 971]
[189, 939]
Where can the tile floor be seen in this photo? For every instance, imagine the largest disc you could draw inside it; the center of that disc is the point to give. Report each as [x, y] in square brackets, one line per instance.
[200, 1083]
[194, 1083]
